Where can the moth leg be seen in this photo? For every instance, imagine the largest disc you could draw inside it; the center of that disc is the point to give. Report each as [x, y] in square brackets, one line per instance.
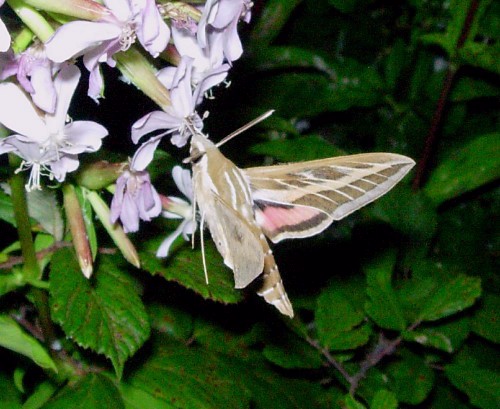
[202, 222]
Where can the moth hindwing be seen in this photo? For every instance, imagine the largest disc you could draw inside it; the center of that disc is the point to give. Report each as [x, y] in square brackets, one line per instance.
[243, 206]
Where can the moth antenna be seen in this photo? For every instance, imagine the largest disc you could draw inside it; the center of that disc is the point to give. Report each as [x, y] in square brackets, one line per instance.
[202, 222]
[253, 122]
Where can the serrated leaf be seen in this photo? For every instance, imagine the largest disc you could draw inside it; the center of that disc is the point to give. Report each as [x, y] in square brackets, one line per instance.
[481, 385]
[430, 338]
[298, 149]
[94, 391]
[412, 380]
[468, 168]
[335, 316]
[44, 208]
[384, 399]
[448, 336]
[185, 377]
[452, 297]
[192, 377]
[217, 338]
[383, 305]
[486, 322]
[104, 314]
[352, 339]
[14, 338]
[292, 352]
[171, 320]
[185, 267]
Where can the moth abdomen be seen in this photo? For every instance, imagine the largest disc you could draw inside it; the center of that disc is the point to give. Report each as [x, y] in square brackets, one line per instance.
[272, 288]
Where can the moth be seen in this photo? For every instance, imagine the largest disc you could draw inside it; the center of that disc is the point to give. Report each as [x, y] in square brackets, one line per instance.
[244, 207]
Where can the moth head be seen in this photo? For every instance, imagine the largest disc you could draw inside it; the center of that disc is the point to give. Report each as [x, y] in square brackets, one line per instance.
[199, 146]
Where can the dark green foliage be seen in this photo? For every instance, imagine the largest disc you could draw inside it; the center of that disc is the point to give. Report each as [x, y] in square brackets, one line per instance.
[397, 306]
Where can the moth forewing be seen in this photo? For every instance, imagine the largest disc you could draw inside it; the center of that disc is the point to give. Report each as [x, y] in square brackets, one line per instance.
[302, 199]
[225, 202]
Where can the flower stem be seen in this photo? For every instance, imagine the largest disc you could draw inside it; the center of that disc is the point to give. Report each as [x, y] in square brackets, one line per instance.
[31, 269]
[32, 18]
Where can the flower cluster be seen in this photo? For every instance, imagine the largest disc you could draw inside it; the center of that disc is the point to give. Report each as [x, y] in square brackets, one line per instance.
[196, 45]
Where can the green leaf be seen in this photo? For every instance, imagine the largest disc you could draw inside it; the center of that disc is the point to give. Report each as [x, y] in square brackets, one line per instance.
[10, 398]
[189, 378]
[486, 322]
[292, 352]
[448, 40]
[14, 338]
[384, 399]
[474, 165]
[346, 84]
[6, 208]
[44, 208]
[297, 149]
[94, 391]
[447, 337]
[10, 282]
[43, 392]
[335, 316]
[271, 20]
[481, 386]
[185, 267]
[351, 403]
[345, 6]
[413, 214]
[383, 305]
[452, 297]
[218, 338]
[468, 88]
[411, 378]
[104, 314]
[171, 320]
[430, 338]
[482, 55]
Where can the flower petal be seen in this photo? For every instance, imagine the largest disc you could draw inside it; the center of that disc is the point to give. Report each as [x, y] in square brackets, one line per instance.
[65, 85]
[144, 155]
[152, 122]
[83, 136]
[19, 115]
[74, 38]
[4, 37]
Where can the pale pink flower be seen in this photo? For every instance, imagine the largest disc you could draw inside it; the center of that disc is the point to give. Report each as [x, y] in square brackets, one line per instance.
[176, 208]
[135, 198]
[47, 144]
[180, 119]
[223, 16]
[98, 41]
[35, 73]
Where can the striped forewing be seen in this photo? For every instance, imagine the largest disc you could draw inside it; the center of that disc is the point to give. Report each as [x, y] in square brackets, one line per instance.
[302, 199]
